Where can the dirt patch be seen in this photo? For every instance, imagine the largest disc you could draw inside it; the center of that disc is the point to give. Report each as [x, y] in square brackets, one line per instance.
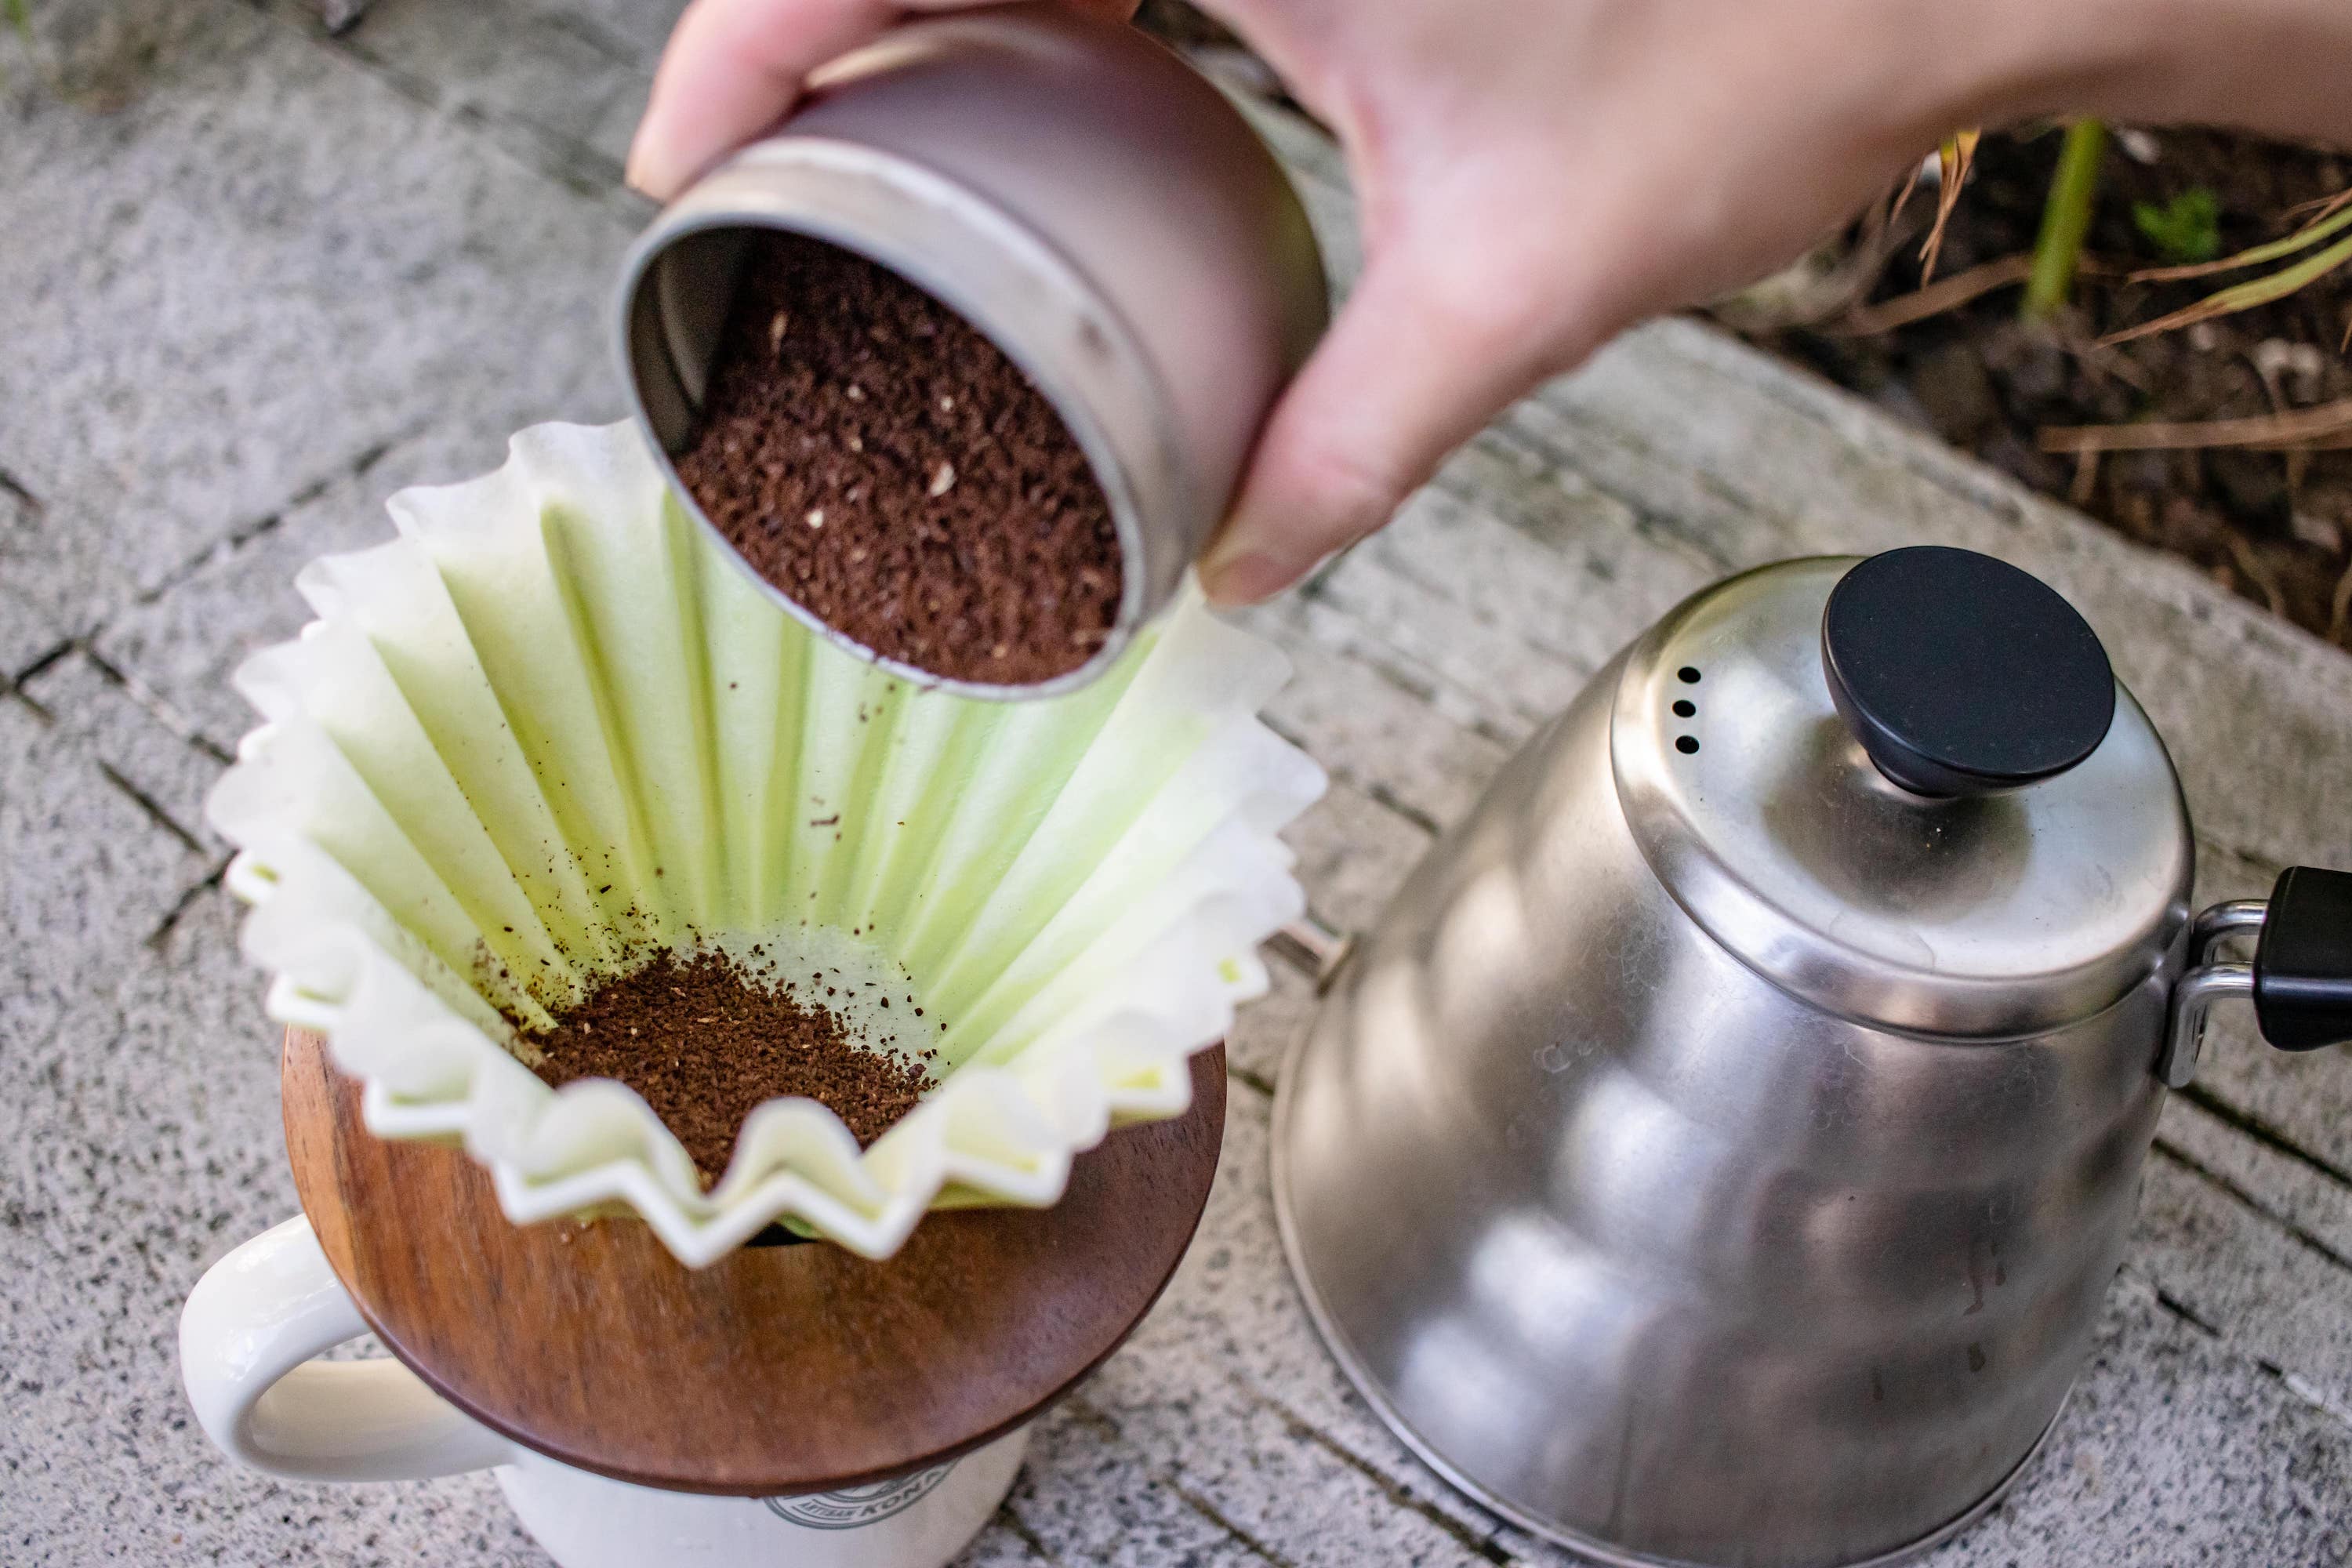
[2274, 526]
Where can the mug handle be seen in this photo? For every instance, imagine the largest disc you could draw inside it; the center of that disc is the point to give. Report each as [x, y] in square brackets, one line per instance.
[247, 1338]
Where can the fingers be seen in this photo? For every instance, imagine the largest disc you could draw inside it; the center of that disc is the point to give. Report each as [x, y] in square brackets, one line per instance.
[1432, 345]
[733, 67]
[1424, 353]
[731, 70]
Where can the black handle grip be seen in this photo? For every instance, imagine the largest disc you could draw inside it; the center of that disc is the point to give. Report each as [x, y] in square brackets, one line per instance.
[1962, 674]
[2303, 963]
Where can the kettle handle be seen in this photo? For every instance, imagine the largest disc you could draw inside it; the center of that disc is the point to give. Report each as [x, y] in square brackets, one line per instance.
[2300, 980]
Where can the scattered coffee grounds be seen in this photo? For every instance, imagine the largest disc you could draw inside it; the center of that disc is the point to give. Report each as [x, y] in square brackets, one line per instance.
[706, 1041]
[880, 461]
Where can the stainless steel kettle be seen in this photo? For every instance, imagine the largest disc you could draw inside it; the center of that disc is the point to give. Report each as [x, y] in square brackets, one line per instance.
[1720, 1152]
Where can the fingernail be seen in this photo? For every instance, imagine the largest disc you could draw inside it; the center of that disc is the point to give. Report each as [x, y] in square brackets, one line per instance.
[1247, 579]
[644, 173]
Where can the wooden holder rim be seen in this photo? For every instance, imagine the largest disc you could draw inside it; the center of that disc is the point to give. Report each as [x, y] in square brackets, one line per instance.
[775, 1369]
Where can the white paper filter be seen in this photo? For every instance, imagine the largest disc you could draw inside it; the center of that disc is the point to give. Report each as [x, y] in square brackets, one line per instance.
[549, 719]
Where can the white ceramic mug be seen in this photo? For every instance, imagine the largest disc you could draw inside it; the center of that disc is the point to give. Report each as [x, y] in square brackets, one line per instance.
[256, 1321]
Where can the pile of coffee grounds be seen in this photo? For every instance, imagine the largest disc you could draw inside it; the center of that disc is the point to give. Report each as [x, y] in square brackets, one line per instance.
[874, 458]
[705, 1041]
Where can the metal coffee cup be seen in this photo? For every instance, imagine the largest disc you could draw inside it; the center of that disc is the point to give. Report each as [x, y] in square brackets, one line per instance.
[1079, 193]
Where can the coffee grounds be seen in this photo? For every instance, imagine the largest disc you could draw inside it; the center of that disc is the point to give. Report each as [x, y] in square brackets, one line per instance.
[880, 461]
[705, 1042]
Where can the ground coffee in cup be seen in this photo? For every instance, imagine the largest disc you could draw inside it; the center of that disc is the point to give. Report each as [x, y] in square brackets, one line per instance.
[884, 465]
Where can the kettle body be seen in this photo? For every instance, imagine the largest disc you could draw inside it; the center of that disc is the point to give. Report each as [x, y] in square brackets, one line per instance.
[1720, 1152]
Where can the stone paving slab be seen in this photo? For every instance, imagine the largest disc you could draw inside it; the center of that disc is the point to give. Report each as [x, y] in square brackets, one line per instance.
[264, 267]
[146, 748]
[293, 272]
[555, 89]
[183, 643]
[29, 627]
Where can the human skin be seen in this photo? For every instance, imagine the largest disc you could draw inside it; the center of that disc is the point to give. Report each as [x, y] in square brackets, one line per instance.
[1535, 175]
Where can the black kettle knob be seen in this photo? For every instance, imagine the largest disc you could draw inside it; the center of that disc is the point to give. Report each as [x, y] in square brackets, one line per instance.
[1962, 674]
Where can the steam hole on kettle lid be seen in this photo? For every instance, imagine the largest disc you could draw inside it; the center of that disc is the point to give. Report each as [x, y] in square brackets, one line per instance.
[1685, 744]
[1684, 708]
[1687, 675]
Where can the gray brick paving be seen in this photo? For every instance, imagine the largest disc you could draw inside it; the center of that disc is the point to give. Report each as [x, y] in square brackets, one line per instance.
[256, 277]
[264, 266]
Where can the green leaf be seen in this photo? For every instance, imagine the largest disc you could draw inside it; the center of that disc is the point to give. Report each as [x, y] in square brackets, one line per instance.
[2188, 228]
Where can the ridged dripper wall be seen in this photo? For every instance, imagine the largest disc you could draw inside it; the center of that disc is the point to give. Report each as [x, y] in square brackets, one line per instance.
[549, 724]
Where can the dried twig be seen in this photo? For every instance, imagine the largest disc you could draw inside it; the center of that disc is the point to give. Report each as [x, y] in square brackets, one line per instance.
[2274, 360]
[1903, 197]
[1953, 158]
[2245, 296]
[1934, 299]
[2325, 426]
[2086, 487]
[2112, 363]
[1822, 284]
[1949, 295]
[2255, 567]
[2336, 215]
[2320, 206]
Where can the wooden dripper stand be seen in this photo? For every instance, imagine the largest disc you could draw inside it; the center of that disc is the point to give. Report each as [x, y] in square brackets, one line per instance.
[791, 1404]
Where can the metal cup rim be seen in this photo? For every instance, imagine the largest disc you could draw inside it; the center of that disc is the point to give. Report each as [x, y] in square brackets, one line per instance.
[726, 198]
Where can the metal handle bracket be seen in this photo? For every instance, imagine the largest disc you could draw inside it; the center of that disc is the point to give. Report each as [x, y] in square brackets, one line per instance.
[2207, 983]
[2193, 999]
[1315, 950]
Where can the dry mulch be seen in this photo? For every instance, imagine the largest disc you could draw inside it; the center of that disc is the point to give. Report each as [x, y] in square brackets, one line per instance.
[2275, 526]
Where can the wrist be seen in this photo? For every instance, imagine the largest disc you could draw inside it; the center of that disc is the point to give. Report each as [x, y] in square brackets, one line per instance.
[2275, 67]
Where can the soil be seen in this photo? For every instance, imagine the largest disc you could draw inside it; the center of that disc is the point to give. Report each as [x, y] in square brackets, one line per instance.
[882, 463]
[706, 1041]
[2274, 526]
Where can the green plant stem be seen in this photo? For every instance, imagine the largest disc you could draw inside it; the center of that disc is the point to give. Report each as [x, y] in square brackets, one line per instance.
[2066, 220]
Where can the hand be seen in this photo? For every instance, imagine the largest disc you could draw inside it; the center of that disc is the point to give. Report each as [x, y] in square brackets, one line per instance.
[1534, 176]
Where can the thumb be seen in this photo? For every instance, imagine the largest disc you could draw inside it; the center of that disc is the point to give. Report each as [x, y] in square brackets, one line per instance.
[1426, 351]
[732, 68]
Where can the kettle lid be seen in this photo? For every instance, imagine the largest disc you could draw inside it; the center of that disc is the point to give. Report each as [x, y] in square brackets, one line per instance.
[1907, 788]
